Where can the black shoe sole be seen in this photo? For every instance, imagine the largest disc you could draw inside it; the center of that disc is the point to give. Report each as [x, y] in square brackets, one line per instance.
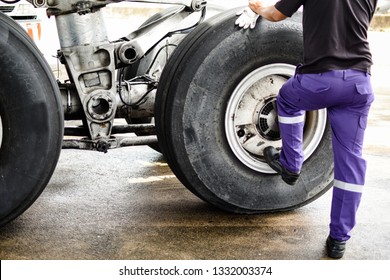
[272, 158]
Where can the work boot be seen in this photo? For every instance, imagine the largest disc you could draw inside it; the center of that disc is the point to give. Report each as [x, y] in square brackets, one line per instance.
[334, 248]
[272, 158]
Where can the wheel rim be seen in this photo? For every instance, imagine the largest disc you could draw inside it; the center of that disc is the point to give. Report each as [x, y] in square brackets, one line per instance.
[251, 117]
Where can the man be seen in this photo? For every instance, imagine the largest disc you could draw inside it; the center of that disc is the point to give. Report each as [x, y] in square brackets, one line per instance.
[335, 75]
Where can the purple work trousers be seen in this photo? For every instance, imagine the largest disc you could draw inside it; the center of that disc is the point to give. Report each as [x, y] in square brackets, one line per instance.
[347, 95]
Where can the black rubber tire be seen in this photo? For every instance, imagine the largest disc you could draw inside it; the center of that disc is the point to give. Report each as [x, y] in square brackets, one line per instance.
[31, 121]
[190, 111]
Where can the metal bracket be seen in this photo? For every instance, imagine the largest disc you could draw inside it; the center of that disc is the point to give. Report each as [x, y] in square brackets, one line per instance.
[62, 7]
[139, 42]
[112, 143]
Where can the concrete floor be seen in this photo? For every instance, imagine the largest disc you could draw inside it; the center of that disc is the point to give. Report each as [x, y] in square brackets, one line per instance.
[127, 204]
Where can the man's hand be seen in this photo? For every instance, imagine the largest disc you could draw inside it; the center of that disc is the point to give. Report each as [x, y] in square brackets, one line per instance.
[247, 18]
[256, 6]
[265, 9]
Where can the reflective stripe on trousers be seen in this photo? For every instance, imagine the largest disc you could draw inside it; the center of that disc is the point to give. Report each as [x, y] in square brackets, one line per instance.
[347, 95]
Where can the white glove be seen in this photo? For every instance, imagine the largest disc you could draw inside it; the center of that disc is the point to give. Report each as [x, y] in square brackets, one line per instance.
[247, 18]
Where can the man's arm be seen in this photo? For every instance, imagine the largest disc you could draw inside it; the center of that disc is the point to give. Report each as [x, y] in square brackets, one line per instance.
[248, 16]
[267, 12]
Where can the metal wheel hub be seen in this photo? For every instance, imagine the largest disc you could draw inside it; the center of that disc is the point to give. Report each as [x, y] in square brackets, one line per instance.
[268, 121]
[251, 121]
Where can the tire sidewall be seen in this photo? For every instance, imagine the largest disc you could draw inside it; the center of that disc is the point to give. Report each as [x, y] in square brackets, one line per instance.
[32, 121]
